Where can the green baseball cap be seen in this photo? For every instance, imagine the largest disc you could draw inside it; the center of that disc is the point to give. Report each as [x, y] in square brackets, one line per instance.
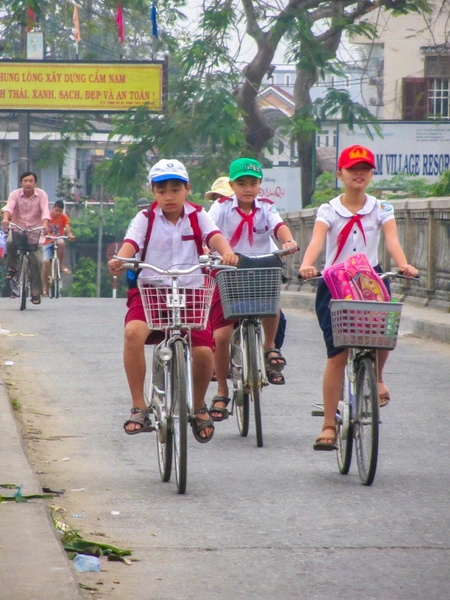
[245, 167]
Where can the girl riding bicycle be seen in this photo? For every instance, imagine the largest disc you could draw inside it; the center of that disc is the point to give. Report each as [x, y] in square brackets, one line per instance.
[348, 224]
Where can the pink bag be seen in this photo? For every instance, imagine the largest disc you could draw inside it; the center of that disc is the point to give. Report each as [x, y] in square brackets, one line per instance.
[355, 279]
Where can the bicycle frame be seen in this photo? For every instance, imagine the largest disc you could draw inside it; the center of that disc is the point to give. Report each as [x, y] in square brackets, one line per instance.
[243, 368]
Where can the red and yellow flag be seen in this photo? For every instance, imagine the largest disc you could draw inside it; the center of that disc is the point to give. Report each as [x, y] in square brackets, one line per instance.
[31, 17]
[76, 23]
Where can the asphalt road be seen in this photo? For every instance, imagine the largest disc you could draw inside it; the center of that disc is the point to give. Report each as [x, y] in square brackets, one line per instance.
[273, 523]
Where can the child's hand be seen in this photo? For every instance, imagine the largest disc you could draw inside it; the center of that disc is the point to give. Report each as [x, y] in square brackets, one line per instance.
[115, 266]
[409, 271]
[307, 272]
[230, 260]
[292, 246]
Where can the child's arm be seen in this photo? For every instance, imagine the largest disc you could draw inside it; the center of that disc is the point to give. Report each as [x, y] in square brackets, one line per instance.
[127, 251]
[285, 236]
[69, 232]
[395, 250]
[219, 243]
[315, 247]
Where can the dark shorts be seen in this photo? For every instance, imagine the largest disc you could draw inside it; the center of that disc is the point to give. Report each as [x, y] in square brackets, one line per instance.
[199, 337]
[323, 298]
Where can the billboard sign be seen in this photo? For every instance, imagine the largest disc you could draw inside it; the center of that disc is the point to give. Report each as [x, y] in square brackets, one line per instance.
[407, 147]
[78, 86]
[282, 186]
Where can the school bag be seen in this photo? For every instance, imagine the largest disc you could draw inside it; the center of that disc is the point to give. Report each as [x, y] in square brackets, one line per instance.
[355, 279]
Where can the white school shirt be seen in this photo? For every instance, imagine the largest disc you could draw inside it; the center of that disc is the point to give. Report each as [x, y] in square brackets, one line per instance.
[168, 245]
[266, 223]
[374, 214]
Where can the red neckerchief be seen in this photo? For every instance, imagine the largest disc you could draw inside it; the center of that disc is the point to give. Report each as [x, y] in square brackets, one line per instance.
[345, 232]
[246, 219]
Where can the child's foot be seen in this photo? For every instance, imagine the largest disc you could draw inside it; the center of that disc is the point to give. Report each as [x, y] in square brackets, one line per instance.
[383, 394]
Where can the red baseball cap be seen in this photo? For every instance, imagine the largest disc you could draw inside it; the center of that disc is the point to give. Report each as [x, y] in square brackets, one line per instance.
[354, 155]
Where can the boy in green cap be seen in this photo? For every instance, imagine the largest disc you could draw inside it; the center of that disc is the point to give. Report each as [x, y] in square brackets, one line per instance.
[247, 221]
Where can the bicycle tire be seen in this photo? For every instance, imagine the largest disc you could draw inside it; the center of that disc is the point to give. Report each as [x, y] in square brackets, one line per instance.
[366, 422]
[164, 435]
[55, 278]
[241, 398]
[344, 439]
[23, 281]
[253, 380]
[179, 414]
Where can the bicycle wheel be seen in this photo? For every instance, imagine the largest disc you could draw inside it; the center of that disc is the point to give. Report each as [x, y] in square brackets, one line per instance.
[240, 398]
[164, 435]
[344, 437]
[179, 414]
[253, 380]
[23, 281]
[55, 276]
[366, 423]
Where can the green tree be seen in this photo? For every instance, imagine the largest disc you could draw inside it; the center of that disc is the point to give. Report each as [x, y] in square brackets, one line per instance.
[84, 279]
[441, 187]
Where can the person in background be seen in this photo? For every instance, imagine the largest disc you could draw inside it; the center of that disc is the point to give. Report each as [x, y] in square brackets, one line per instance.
[59, 224]
[27, 207]
[220, 189]
[348, 224]
[143, 203]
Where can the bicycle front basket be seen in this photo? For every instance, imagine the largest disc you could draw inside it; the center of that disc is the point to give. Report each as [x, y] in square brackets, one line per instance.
[249, 292]
[188, 309]
[364, 324]
[26, 241]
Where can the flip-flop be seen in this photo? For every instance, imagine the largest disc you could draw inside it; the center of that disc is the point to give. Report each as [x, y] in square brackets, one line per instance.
[383, 399]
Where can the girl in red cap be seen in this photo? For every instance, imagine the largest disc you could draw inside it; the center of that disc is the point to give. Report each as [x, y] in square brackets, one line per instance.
[348, 224]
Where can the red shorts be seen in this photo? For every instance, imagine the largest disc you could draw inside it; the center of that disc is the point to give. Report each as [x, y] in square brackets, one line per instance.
[199, 337]
[216, 313]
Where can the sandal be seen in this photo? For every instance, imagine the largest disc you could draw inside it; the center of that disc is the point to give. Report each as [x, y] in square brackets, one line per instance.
[276, 378]
[274, 363]
[199, 425]
[383, 399]
[321, 443]
[35, 298]
[224, 413]
[141, 418]
[10, 273]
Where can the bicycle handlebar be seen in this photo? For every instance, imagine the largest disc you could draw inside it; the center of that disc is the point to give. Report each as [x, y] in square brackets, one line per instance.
[205, 261]
[394, 273]
[56, 237]
[11, 225]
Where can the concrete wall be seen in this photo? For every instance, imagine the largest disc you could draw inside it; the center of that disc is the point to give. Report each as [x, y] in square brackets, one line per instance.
[424, 232]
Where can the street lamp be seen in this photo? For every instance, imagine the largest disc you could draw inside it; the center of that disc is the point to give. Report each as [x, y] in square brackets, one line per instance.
[3, 168]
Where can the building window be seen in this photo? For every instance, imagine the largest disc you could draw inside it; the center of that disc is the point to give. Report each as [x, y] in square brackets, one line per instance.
[438, 98]
[287, 81]
[347, 81]
[415, 98]
[332, 81]
[294, 149]
[323, 139]
[334, 138]
[280, 147]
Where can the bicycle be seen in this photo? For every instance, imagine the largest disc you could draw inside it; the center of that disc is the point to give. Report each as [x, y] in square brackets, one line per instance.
[54, 278]
[175, 302]
[363, 327]
[25, 241]
[248, 294]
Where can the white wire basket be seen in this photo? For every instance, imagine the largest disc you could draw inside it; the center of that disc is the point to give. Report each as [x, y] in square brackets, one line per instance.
[364, 324]
[186, 309]
[249, 292]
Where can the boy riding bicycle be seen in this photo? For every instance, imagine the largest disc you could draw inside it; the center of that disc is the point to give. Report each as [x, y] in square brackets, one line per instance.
[248, 221]
[348, 224]
[58, 225]
[171, 232]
